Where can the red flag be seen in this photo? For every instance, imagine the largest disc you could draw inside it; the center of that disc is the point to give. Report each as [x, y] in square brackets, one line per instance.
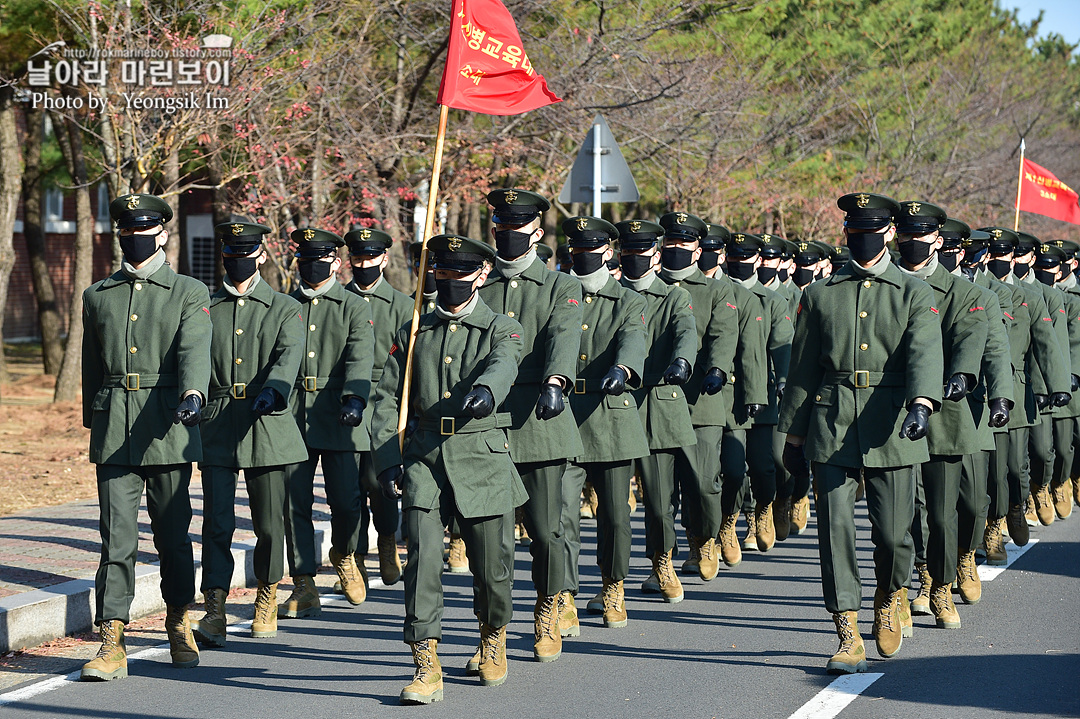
[487, 69]
[1044, 194]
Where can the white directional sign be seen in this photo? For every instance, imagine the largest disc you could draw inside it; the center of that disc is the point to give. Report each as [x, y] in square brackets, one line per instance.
[600, 174]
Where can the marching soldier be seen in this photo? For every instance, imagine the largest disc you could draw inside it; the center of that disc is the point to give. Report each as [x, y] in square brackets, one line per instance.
[542, 433]
[866, 369]
[671, 339]
[429, 293]
[332, 390]
[457, 463]
[254, 355]
[369, 253]
[145, 375]
[1068, 464]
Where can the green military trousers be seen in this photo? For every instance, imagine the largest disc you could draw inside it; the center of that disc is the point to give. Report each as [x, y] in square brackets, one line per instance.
[786, 485]
[266, 497]
[383, 512]
[1019, 465]
[972, 505]
[489, 544]
[702, 514]
[573, 481]
[997, 480]
[1063, 450]
[1041, 453]
[890, 501]
[940, 479]
[543, 517]
[741, 449]
[611, 480]
[120, 490]
[341, 476]
[657, 477]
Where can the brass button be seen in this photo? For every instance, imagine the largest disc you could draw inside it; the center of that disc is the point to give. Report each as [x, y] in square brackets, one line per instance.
[448, 359]
[315, 301]
[626, 403]
[240, 302]
[506, 445]
[138, 285]
[133, 350]
[582, 357]
[239, 332]
[367, 299]
[513, 283]
[862, 314]
[510, 314]
[453, 328]
[678, 284]
[446, 395]
[674, 395]
[864, 346]
[817, 398]
[866, 284]
[239, 361]
[584, 327]
[311, 328]
[310, 354]
[588, 300]
[134, 317]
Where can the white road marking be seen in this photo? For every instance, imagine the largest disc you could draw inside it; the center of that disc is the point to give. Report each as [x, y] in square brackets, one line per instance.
[988, 573]
[834, 698]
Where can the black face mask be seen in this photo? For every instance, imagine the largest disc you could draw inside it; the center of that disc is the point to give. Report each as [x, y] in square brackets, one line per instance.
[453, 293]
[138, 248]
[366, 276]
[1020, 269]
[949, 260]
[999, 268]
[512, 244]
[707, 261]
[240, 269]
[429, 282]
[802, 276]
[586, 263]
[865, 246]
[676, 258]
[740, 270]
[915, 252]
[782, 274]
[969, 272]
[314, 271]
[636, 266]
[765, 275]
[1047, 277]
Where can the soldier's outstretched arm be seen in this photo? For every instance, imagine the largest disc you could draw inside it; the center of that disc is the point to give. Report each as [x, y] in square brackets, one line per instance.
[996, 361]
[685, 327]
[722, 335]
[922, 338]
[193, 341]
[631, 346]
[781, 335]
[385, 451]
[93, 369]
[806, 371]
[501, 366]
[564, 332]
[968, 343]
[753, 355]
[1045, 349]
[287, 355]
[359, 353]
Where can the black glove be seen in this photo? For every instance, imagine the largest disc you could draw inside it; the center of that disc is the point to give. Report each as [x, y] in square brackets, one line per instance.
[390, 481]
[265, 402]
[678, 372]
[794, 459]
[189, 411]
[1075, 383]
[352, 412]
[551, 402]
[479, 403]
[999, 412]
[1042, 401]
[752, 410]
[780, 387]
[1060, 399]
[914, 427]
[614, 382]
[714, 381]
[956, 387]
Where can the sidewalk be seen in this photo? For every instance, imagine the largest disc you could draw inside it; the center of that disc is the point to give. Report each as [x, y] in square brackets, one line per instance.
[48, 557]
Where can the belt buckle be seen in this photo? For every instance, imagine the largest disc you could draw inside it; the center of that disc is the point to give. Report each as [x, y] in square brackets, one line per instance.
[862, 378]
[579, 386]
[127, 380]
[239, 390]
[445, 422]
[311, 384]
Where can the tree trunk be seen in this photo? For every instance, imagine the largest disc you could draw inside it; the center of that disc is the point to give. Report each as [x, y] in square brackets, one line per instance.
[171, 180]
[220, 203]
[10, 187]
[49, 321]
[70, 136]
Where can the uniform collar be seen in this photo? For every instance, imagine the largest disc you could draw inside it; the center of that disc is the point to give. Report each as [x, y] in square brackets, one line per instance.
[262, 292]
[535, 272]
[657, 287]
[335, 293]
[891, 275]
[165, 277]
[480, 316]
[382, 290]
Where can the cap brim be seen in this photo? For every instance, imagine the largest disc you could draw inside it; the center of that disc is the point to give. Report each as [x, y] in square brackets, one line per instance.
[246, 249]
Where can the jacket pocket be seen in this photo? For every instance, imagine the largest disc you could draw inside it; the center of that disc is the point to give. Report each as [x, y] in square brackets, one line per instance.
[620, 401]
[667, 392]
[101, 400]
[496, 441]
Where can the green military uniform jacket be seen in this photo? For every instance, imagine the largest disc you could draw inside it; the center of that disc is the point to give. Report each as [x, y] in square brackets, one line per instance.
[1036, 356]
[1018, 326]
[548, 306]
[670, 334]
[996, 378]
[1055, 307]
[1071, 290]
[779, 331]
[613, 333]
[450, 358]
[145, 342]
[865, 348]
[338, 353]
[257, 343]
[751, 357]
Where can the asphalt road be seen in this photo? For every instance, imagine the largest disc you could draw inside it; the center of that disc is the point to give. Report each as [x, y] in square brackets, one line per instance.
[752, 643]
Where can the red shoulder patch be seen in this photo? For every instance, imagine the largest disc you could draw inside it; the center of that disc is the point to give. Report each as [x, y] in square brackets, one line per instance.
[732, 306]
[935, 310]
[975, 309]
[1007, 315]
[690, 306]
[798, 310]
[516, 335]
[1047, 319]
[572, 301]
[393, 348]
[206, 310]
[758, 319]
[1062, 311]
[642, 318]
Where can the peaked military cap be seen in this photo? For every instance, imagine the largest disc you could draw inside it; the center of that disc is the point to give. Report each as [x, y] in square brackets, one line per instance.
[1047, 256]
[414, 252]
[920, 218]
[544, 252]
[789, 249]
[139, 211]
[742, 245]
[589, 232]
[954, 230]
[368, 241]
[638, 234]
[771, 245]
[240, 238]
[1069, 247]
[1001, 240]
[716, 237]
[1026, 242]
[683, 227]
[809, 253]
[839, 255]
[867, 211]
[316, 243]
[459, 254]
[975, 246]
[516, 207]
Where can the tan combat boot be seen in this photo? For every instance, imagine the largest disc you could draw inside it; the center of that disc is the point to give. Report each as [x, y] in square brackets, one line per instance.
[800, 514]
[210, 630]
[996, 556]
[749, 542]
[764, 532]
[850, 656]
[596, 604]
[1044, 505]
[1076, 491]
[492, 655]
[182, 647]
[920, 605]
[730, 550]
[304, 600]
[693, 556]
[651, 585]
[353, 584]
[1062, 500]
[1030, 514]
[967, 578]
[1017, 525]
[426, 686]
[472, 667]
[942, 605]
[264, 625]
[782, 518]
[709, 564]
[457, 561]
[632, 501]
[548, 644]
[569, 626]
[111, 659]
[887, 630]
[521, 535]
[667, 580]
[907, 627]
[389, 560]
[614, 604]
[591, 503]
